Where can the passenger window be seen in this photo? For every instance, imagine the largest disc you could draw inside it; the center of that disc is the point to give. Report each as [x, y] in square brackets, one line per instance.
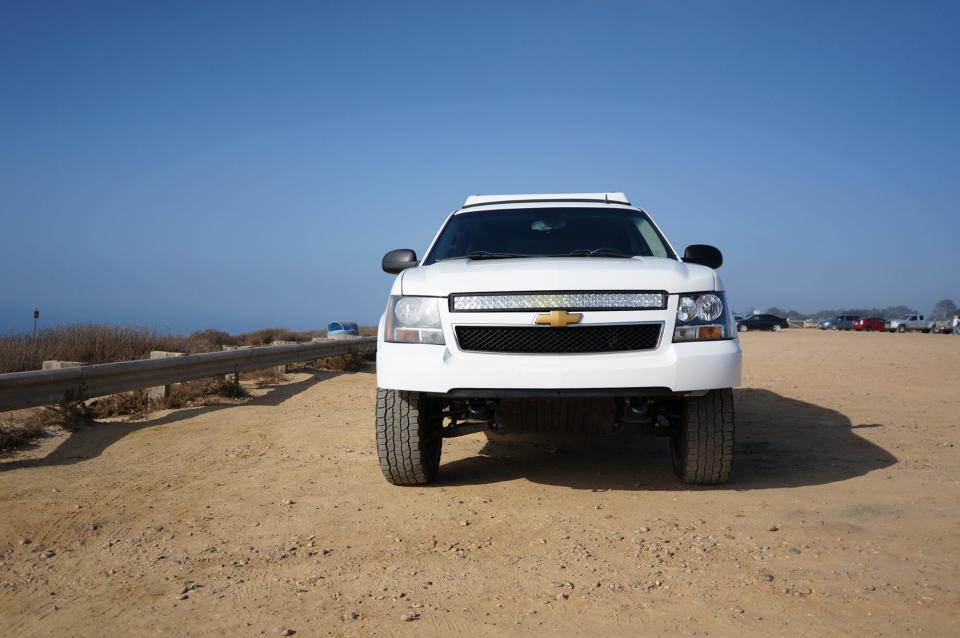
[649, 235]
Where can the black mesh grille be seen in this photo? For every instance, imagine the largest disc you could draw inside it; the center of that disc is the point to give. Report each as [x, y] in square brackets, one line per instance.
[536, 340]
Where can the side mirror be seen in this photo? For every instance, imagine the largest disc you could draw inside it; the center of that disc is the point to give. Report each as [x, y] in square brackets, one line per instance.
[398, 260]
[704, 255]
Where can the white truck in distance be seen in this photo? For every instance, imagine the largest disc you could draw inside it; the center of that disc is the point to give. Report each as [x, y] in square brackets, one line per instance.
[911, 323]
[569, 312]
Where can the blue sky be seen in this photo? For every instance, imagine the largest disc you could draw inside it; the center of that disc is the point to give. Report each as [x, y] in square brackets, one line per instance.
[244, 165]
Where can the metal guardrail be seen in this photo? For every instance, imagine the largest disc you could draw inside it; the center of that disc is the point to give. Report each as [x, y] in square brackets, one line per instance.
[45, 387]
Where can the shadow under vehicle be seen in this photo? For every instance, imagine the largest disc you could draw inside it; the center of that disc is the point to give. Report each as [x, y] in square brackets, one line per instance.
[780, 442]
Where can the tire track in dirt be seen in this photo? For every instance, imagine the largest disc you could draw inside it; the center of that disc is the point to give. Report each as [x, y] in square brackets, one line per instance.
[840, 517]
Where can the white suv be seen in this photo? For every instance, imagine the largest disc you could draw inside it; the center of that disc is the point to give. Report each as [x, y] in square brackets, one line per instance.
[569, 312]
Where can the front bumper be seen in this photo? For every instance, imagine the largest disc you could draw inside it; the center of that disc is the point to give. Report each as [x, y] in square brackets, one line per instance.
[677, 367]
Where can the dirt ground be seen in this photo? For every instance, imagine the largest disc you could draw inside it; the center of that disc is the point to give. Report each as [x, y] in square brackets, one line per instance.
[842, 516]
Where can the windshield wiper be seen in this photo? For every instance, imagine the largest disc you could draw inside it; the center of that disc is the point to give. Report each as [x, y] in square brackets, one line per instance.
[596, 252]
[579, 252]
[485, 254]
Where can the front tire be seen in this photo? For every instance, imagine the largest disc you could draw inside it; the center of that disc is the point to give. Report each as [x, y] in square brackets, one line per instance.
[702, 449]
[776, 327]
[742, 328]
[409, 436]
[901, 329]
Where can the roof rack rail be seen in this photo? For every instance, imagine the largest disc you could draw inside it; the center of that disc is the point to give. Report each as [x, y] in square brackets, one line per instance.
[601, 198]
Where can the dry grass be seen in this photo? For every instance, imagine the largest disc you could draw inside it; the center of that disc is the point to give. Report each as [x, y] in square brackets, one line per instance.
[99, 343]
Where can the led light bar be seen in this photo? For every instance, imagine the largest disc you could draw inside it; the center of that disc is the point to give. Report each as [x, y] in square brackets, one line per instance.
[536, 301]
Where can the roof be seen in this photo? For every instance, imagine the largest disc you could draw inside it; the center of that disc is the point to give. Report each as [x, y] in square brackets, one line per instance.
[603, 198]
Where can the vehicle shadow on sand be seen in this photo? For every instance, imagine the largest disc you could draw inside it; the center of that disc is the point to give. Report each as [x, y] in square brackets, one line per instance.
[780, 442]
[89, 441]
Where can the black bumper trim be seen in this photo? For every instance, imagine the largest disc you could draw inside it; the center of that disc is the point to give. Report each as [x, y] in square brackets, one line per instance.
[512, 393]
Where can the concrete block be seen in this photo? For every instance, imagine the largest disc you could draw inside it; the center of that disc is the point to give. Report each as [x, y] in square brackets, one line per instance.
[54, 364]
[161, 392]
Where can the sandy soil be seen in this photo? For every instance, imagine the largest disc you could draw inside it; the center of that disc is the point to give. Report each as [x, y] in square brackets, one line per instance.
[841, 518]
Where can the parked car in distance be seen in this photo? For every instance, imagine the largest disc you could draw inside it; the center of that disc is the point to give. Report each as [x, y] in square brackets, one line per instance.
[910, 323]
[762, 322]
[838, 322]
[870, 324]
[944, 327]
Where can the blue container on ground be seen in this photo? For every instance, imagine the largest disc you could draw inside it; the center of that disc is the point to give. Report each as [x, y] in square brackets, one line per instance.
[341, 328]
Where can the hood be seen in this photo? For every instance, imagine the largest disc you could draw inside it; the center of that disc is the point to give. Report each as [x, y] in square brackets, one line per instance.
[563, 273]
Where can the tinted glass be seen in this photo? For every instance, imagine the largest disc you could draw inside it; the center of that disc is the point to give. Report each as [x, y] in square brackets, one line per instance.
[540, 232]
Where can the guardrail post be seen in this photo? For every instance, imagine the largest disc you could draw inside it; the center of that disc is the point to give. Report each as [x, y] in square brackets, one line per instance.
[54, 364]
[281, 370]
[234, 377]
[161, 392]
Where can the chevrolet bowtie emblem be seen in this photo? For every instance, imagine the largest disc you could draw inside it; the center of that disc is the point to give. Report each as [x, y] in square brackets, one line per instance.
[558, 318]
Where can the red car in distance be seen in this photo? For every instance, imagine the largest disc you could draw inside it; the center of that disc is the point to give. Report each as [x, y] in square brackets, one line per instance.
[867, 324]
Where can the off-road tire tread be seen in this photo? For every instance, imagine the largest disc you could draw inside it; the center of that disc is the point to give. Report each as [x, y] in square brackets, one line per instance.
[703, 449]
[408, 436]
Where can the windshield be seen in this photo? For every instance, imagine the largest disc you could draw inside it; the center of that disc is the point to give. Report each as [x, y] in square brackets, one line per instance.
[553, 232]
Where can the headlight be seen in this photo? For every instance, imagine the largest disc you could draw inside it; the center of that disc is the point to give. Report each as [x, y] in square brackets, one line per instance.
[687, 309]
[702, 317]
[709, 308]
[413, 320]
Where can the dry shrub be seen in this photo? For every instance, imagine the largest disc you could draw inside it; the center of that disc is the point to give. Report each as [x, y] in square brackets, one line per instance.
[267, 376]
[343, 363]
[188, 393]
[66, 416]
[266, 336]
[24, 426]
[134, 403]
[199, 391]
[208, 340]
[17, 432]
